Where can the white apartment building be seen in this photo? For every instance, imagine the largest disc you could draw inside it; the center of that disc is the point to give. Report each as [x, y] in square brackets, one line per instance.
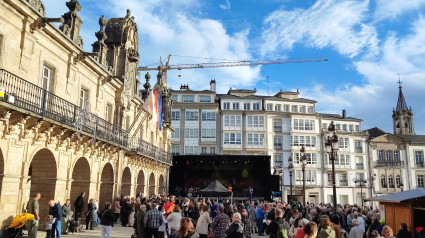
[351, 162]
[248, 124]
[195, 118]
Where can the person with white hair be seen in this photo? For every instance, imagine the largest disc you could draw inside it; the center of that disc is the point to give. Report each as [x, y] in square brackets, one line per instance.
[356, 231]
[235, 229]
[360, 220]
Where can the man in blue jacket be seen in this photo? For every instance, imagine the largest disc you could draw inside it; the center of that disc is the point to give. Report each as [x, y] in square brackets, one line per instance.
[57, 213]
[260, 218]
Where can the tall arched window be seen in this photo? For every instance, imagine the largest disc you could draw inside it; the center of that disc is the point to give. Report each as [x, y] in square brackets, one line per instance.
[383, 181]
[388, 156]
[381, 155]
[398, 181]
[391, 181]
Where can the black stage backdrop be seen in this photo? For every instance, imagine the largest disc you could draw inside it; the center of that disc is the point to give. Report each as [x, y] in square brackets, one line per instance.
[192, 172]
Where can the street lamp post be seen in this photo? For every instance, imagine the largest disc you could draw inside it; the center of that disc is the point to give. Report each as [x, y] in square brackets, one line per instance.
[304, 162]
[361, 182]
[332, 145]
[282, 180]
[290, 169]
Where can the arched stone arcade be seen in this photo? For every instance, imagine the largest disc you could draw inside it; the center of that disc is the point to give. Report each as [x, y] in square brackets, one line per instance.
[151, 184]
[126, 182]
[107, 185]
[161, 185]
[43, 176]
[141, 183]
[80, 180]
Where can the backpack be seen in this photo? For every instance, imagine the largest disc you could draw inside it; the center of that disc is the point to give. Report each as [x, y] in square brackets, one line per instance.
[281, 231]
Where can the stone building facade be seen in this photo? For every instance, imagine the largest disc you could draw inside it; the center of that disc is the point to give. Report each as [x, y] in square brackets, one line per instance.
[71, 121]
[397, 159]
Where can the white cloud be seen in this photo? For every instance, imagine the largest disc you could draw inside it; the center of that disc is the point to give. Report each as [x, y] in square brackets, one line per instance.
[336, 24]
[392, 8]
[225, 6]
[374, 100]
[175, 27]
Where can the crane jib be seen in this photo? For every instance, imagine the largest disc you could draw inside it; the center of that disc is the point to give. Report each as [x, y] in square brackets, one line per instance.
[233, 64]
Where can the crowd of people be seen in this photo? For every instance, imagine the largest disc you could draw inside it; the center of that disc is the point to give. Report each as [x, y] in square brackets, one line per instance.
[171, 217]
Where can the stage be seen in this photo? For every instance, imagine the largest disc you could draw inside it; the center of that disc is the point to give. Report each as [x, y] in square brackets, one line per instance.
[190, 173]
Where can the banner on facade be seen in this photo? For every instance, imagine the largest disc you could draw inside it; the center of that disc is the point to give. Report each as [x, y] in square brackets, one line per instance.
[153, 105]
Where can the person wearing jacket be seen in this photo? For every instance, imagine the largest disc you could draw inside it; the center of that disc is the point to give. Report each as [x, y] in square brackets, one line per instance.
[326, 230]
[66, 216]
[235, 229]
[203, 222]
[117, 209]
[403, 232]
[253, 218]
[260, 217]
[91, 215]
[174, 219]
[220, 223]
[186, 230]
[276, 225]
[79, 206]
[298, 224]
[140, 227]
[310, 230]
[106, 220]
[374, 225]
[387, 232]
[57, 213]
[355, 231]
[245, 221]
[193, 212]
[336, 225]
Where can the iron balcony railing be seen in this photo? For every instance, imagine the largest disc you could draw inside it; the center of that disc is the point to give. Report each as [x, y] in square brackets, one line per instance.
[358, 149]
[359, 166]
[143, 147]
[35, 99]
[343, 183]
[389, 163]
[277, 128]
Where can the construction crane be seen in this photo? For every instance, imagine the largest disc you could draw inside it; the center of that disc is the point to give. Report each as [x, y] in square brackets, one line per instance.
[163, 69]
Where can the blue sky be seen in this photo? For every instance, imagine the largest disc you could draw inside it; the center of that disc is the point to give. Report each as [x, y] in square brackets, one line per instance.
[368, 43]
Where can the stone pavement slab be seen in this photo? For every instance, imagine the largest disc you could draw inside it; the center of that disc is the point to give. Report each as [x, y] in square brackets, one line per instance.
[118, 231]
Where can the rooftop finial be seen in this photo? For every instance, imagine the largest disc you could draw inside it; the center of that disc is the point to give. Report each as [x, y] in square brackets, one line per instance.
[399, 81]
[102, 22]
[73, 6]
[401, 102]
[128, 13]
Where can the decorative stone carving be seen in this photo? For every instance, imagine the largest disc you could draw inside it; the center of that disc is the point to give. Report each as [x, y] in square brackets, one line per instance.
[72, 22]
[38, 6]
[100, 46]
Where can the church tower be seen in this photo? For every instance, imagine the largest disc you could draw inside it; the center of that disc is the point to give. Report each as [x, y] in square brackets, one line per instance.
[402, 116]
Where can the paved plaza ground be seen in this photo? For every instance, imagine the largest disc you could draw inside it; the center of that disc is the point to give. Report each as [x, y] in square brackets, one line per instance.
[117, 231]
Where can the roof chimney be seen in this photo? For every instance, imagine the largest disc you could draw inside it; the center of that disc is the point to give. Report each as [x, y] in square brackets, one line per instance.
[184, 87]
[344, 114]
[212, 85]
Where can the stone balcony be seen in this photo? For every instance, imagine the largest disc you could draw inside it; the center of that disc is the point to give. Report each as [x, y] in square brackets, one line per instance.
[388, 163]
[33, 100]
